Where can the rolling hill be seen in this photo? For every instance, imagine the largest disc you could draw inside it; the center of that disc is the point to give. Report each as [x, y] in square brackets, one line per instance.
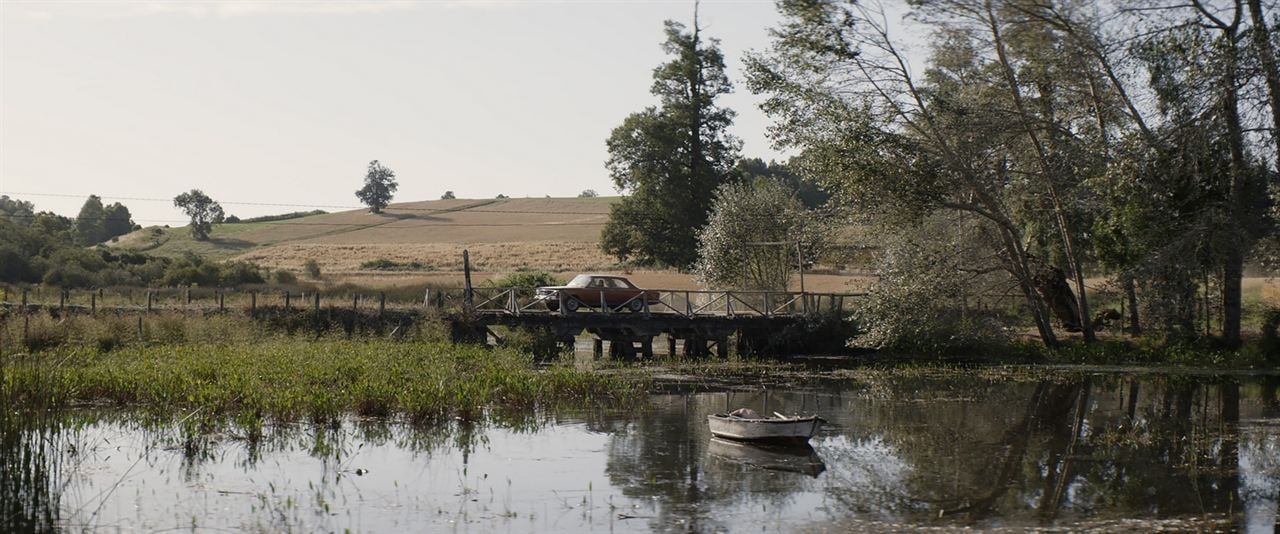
[502, 234]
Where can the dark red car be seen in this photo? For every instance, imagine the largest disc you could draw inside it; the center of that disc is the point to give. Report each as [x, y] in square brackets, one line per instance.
[589, 289]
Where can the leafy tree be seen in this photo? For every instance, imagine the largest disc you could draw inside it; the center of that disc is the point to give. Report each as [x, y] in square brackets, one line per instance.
[379, 186]
[588, 193]
[501, 196]
[809, 192]
[754, 236]
[448, 195]
[18, 211]
[90, 223]
[117, 221]
[203, 211]
[669, 159]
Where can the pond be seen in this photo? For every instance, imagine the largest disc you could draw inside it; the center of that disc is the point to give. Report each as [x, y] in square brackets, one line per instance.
[994, 449]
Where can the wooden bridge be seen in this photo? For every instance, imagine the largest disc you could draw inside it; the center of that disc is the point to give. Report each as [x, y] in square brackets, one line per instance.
[700, 322]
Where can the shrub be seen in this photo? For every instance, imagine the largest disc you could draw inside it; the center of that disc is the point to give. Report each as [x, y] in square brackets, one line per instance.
[312, 267]
[285, 277]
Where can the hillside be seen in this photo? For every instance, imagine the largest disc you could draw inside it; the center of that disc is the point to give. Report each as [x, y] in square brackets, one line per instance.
[503, 234]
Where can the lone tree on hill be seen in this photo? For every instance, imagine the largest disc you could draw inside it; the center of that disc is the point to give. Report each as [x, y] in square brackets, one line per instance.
[379, 186]
[669, 159]
[204, 212]
[448, 195]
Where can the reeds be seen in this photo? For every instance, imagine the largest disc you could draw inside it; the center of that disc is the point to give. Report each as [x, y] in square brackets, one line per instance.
[287, 379]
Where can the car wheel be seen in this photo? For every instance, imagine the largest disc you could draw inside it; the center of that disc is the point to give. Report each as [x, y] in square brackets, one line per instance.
[635, 306]
[571, 305]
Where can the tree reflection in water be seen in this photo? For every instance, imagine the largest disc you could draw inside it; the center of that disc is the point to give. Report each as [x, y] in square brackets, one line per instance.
[974, 449]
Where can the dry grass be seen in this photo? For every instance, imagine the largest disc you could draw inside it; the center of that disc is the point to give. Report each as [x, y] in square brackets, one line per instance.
[509, 256]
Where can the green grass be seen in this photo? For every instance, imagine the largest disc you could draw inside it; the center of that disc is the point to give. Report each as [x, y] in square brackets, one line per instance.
[320, 381]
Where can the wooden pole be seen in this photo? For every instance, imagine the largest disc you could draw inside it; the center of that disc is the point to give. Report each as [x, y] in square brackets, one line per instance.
[286, 301]
[382, 303]
[148, 301]
[466, 274]
[93, 302]
[139, 328]
[221, 300]
[62, 300]
[24, 298]
[426, 298]
[188, 295]
[253, 304]
[317, 304]
[355, 301]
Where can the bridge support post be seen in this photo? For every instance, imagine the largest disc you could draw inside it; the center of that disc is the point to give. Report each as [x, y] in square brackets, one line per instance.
[671, 345]
[722, 348]
[597, 349]
[646, 348]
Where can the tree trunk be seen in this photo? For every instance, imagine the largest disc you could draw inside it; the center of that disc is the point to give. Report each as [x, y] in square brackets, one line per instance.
[1270, 71]
[1046, 169]
[1233, 264]
[1131, 294]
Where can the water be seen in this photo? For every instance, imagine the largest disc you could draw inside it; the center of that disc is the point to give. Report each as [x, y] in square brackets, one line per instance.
[946, 449]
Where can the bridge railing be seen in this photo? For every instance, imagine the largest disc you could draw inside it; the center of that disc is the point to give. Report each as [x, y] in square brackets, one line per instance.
[679, 302]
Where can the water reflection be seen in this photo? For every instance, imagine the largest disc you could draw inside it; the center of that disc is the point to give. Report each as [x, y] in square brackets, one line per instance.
[950, 449]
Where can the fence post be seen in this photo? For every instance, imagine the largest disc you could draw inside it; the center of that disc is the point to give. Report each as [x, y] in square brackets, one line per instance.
[426, 298]
[317, 304]
[253, 304]
[148, 301]
[355, 301]
[24, 298]
[139, 328]
[62, 300]
[286, 301]
[221, 300]
[382, 303]
[188, 295]
[93, 302]
[688, 305]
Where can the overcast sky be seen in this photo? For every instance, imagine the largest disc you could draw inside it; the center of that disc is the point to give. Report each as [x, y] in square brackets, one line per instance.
[287, 102]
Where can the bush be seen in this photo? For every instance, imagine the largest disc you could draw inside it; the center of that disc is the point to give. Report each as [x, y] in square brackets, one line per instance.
[312, 267]
[285, 277]
[240, 272]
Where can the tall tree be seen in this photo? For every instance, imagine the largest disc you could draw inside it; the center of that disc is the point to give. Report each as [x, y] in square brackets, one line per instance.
[117, 221]
[379, 186]
[900, 146]
[669, 159]
[89, 223]
[203, 211]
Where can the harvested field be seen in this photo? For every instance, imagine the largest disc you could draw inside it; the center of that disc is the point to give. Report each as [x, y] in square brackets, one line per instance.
[541, 255]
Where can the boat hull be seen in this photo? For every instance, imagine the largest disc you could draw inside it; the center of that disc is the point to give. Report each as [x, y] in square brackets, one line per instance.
[764, 430]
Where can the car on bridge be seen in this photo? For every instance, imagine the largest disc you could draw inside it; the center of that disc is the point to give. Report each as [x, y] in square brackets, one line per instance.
[597, 291]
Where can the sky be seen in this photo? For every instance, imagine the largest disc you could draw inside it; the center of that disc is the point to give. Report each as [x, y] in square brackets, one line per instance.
[286, 102]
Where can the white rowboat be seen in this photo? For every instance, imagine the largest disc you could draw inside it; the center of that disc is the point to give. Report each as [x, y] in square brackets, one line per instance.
[775, 429]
